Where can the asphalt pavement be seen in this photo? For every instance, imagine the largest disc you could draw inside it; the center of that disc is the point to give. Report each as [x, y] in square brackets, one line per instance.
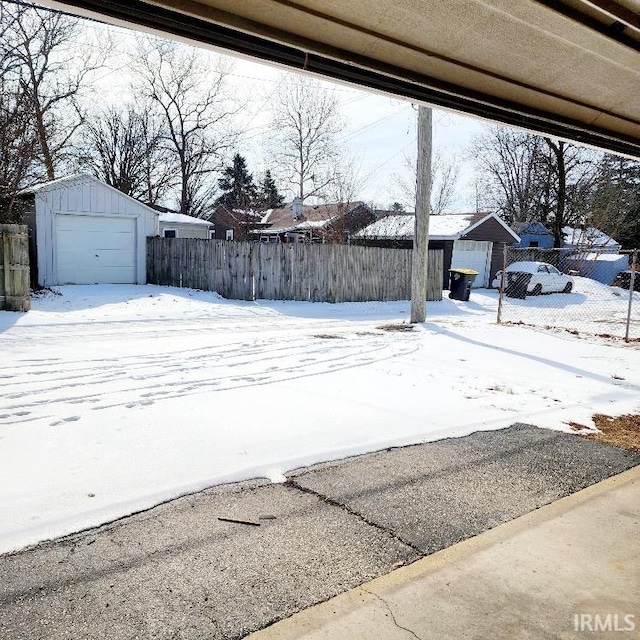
[180, 571]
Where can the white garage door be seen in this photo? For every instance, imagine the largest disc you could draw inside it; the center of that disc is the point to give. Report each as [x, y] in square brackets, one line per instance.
[472, 254]
[95, 249]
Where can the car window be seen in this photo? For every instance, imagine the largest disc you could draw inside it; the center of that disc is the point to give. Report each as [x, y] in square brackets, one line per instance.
[554, 271]
[542, 269]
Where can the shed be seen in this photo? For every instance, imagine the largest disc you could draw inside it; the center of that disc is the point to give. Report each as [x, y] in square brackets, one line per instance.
[533, 234]
[82, 231]
[468, 240]
[178, 225]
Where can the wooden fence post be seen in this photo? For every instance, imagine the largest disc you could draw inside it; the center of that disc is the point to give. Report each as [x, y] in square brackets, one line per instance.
[15, 281]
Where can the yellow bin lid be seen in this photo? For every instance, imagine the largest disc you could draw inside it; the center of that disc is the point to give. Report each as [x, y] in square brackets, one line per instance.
[468, 272]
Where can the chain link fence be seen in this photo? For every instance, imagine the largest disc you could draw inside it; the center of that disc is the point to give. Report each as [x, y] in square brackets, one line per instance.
[585, 291]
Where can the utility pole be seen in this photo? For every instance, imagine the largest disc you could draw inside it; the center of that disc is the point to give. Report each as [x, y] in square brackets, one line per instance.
[421, 229]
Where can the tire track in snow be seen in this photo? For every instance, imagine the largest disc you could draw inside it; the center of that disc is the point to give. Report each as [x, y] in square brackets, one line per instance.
[209, 369]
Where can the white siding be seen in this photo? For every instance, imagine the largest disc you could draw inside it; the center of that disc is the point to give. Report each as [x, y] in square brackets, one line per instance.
[186, 230]
[87, 196]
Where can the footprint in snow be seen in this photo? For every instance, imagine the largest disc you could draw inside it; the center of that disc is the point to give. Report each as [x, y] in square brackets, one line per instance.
[69, 419]
[142, 403]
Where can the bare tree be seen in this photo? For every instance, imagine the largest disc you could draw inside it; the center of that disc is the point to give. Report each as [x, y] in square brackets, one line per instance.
[305, 123]
[527, 177]
[343, 189]
[444, 180]
[197, 115]
[51, 65]
[344, 179]
[18, 144]
[123, 147]
[513, 173]
[17, 135]
[573, 173]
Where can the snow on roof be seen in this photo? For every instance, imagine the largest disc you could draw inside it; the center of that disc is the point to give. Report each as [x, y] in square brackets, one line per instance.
[80, 178]
[591, 237]
[599, 257]
[533, 227]
[181, 218]
[400, 226]
[54, 184]
[317, 214]
[393, 226]
[265, 216]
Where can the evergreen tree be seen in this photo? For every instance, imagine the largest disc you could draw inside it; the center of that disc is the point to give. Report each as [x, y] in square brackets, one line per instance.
[269, 197]
[615, 206]
[239, 191]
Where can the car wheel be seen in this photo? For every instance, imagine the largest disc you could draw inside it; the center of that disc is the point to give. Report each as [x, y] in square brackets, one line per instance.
[568, 287]
[537, 290]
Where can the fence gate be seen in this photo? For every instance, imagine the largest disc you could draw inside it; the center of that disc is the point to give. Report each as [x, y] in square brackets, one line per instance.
[14, 268]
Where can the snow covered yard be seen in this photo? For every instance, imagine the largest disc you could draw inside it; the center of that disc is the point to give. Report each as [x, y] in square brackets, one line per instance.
[115, 398]
[592, 308]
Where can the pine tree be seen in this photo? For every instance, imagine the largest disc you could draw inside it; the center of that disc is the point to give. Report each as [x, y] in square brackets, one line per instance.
[239, 190]
[615, 206]
[269, 197]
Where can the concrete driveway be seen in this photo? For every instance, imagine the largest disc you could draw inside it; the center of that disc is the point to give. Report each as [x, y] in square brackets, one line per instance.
[178, 571]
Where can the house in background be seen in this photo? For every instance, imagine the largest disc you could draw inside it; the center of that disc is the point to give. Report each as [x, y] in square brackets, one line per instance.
[332, 223]
[234, 224]
[588, 252]
[82, 231]
[468, 240]
[533, 234]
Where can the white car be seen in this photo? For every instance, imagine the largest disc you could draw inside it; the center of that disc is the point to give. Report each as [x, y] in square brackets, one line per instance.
[545, 278]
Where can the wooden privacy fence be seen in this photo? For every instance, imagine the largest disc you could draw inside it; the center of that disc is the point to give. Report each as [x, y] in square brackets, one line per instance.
[14, 268]
[317, 272]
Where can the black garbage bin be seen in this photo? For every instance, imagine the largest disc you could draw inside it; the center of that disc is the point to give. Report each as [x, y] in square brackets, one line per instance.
[517, 284]
[460, 281]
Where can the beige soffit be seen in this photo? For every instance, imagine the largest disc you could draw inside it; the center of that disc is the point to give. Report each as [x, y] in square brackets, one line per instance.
[569, 68]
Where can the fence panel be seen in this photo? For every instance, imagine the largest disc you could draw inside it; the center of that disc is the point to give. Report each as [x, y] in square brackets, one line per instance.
[15, 293]
[583, 291]
[318, 273]
[435, 265]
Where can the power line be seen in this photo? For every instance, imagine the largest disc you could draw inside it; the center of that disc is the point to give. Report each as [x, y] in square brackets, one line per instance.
[375, 123]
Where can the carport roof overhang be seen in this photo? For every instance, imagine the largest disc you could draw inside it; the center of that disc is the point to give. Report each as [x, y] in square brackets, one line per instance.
[566, 68]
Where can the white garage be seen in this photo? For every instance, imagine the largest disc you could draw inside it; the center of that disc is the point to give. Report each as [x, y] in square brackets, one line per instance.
[86, 232]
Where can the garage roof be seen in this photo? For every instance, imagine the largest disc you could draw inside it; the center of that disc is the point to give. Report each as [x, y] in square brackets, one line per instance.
[446, 226]
[568, 68]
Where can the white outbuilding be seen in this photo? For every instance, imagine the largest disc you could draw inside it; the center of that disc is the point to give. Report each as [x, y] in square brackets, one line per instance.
[82, 231]
[178, 225]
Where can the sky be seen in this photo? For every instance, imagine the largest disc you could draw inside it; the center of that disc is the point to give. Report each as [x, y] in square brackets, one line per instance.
[379, 132]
